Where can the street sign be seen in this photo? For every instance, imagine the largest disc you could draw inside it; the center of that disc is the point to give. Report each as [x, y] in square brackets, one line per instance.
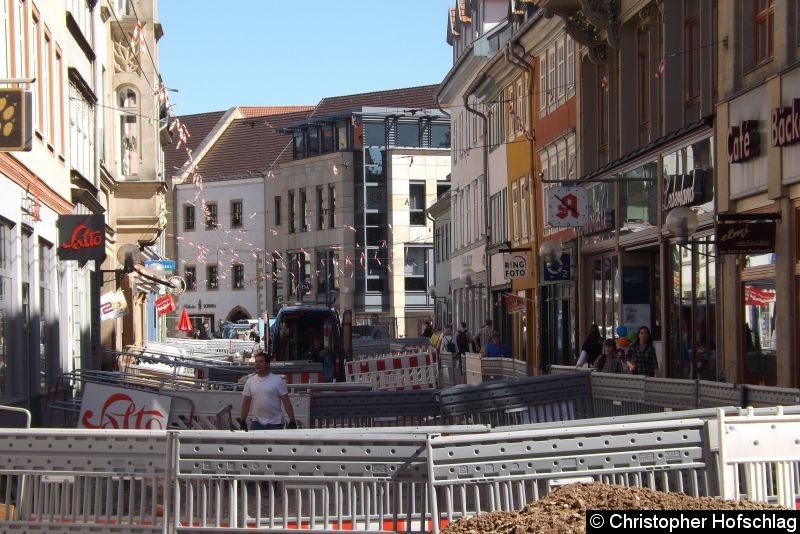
[515, 265]
[166, 265]
[567, 206]
[304, 287]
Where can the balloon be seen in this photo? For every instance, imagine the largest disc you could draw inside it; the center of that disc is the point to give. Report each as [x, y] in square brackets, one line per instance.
[623, 342]
[631, 336]
[622, 330]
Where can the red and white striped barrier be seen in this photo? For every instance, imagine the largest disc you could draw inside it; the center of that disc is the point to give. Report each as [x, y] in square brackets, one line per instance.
[400, 372]
[304, 378]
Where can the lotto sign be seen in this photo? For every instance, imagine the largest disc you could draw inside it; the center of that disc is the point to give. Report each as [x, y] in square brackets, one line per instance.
[515, 266]
[108, 407]
[567, 206]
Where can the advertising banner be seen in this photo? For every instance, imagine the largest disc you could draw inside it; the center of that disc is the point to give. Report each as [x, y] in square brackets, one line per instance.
[123, 409]
[515, 304]
[165, 304]
[81, 237]
[113, 305]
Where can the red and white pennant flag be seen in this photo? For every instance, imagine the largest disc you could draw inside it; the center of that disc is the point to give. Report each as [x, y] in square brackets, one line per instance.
[137, 37]
[660, 68]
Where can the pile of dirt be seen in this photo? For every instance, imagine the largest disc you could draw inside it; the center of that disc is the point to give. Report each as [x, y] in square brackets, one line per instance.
[564, 510]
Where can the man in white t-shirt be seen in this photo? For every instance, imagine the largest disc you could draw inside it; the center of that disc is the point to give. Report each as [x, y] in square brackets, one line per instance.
[265, 392]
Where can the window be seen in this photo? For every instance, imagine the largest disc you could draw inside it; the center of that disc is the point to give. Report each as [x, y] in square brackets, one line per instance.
[45, 312]
[299, 145]
[81, 133]
[123, 8]
[312, 135]
[561, 77]
[188, 217]
[128, 132]
[341, 136]
[238, 276]
[416, 263]
[303, 212]
[511, 111]
[237, 213]
[763, 24]
[292, 228]
[416, 204]
[5, 40]
[47, 89]
[277, 210]
[211, 215]
[407, 134]
[331, 205]
[643, 92]
[570, 65]
[320, 210]
[514, 212]
[327, 138]
[522, 117]
[542, 85]
[191, 277]
[551, 76]
[694, 56]
[20, 65]
[523, 206]
[34, 54]
[211, 277]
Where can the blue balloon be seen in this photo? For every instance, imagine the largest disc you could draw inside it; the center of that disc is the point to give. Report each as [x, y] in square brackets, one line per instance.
[622, 330]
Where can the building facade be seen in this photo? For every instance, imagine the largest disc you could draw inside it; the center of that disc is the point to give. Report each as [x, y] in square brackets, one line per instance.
[82, 158]
[348, 212]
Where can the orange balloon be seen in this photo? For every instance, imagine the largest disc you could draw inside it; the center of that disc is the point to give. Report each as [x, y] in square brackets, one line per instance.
[623, 342]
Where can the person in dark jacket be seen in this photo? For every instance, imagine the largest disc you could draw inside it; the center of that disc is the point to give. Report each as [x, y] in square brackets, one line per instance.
[641, 354]
[592, 347]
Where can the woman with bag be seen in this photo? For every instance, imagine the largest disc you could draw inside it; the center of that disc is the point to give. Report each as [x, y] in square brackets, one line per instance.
[446, 342]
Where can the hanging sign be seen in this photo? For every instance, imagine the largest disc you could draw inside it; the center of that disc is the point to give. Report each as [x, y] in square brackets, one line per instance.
[515, 266]
[165, 304]
[82, 237]
[113, 305]
[567, 206]
[745, 237]
[108, 407]
[558, 271]
[515, 304]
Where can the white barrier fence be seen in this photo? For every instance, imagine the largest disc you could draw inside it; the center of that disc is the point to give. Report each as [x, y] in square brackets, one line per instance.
[396, 371]
[387, 479]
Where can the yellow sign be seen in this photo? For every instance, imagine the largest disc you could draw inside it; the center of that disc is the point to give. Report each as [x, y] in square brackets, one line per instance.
[16, 126]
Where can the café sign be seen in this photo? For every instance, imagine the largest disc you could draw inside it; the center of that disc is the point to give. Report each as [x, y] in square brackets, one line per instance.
[81, 237]
[745, 237]
[785, 124]
[743, 142]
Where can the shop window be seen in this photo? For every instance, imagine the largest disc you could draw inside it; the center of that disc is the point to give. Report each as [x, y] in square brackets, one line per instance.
[639, 199]
[605, 295]
[760, 362]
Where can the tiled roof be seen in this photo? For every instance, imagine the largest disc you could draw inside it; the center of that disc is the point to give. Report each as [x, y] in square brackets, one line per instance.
[199, 126]
[262, 111]
[420, 97]
[250, 144]
[462, 11]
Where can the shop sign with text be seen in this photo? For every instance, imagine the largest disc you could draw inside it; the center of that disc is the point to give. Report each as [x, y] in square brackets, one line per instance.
[742, 237]
[785, 125]
[108, 407]
[743, 142]
[81, 237]
[688, 189]
[165, 304]
[113, 305]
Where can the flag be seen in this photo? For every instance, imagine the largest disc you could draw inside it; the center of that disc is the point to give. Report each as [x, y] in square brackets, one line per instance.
[137, 37]
[660, 69]
[353, 121]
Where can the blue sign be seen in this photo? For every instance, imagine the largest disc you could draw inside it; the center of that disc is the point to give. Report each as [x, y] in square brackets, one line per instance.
[305, 287]
[559, 271]
[166, 265]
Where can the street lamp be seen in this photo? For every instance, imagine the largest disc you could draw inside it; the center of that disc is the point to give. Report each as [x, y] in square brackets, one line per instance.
[681, 223]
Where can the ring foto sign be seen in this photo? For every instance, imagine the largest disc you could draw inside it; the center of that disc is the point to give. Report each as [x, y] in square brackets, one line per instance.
[108, 407]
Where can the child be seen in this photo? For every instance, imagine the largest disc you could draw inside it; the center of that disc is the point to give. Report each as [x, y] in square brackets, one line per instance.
[612, 360]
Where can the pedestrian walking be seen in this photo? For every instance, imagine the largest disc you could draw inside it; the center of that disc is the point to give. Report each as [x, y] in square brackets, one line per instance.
[612, 360]
[254, 334]
[447, 341]
[265, 392]
[641, 354]
[592, 347]
[496, 348]
[482, 338]
[427, 331]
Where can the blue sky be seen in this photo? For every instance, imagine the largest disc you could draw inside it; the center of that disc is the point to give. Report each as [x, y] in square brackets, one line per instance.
[295, 52]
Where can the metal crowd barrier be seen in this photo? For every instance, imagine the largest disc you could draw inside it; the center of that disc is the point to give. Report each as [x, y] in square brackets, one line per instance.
[622, 394]
[386, 479]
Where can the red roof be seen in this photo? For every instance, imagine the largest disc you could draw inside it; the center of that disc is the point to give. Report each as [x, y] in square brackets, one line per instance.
[198, 126]
[262, 111]
[250, 145]
[420, 97]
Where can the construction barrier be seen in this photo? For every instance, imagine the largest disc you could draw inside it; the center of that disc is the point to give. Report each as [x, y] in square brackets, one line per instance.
[389, 372]
[379, 479]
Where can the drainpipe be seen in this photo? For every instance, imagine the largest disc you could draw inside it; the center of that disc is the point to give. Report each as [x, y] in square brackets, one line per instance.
[488, 238]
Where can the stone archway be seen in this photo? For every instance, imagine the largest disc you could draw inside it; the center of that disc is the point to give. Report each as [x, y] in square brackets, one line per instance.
[237, 314]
